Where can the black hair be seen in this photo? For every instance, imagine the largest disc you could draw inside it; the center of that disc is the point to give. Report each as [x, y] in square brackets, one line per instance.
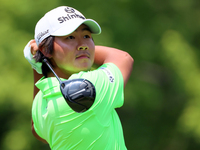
[47, 47]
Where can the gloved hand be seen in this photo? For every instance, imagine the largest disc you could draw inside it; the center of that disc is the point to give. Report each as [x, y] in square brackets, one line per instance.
[29, 50]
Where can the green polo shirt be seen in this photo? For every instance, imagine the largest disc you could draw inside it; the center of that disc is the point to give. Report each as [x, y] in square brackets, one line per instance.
[99, 128]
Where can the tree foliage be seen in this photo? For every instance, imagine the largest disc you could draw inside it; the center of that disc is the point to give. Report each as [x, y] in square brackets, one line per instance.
[162, 98]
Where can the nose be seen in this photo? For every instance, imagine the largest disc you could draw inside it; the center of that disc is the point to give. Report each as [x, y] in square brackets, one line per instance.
[83, 48]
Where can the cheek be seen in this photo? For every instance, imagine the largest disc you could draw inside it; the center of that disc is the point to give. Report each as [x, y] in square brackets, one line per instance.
[92, 56]
[62, 55]
[58, 50]
[92, 48]
[63, 58]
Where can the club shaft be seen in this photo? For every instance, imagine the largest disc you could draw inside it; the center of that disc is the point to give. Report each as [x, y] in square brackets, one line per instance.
[50, 67]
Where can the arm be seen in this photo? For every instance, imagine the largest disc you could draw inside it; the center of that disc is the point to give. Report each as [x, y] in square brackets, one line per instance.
[36, 77]
[32, 47]
[36, 135]
[35, 91]
[120, 58]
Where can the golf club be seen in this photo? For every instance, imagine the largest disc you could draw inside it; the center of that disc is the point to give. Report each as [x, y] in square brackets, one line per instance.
[79, 93]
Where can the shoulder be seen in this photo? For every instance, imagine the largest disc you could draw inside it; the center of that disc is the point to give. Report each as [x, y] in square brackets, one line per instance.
[111, 71]
[107, 71]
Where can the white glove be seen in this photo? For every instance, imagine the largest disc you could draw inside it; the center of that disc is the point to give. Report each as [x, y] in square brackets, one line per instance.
[27, 54]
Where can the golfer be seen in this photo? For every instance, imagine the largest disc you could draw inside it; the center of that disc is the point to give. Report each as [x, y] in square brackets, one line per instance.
[64, 36]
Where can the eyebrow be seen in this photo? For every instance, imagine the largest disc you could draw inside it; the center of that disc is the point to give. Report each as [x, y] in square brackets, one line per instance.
[87, 29]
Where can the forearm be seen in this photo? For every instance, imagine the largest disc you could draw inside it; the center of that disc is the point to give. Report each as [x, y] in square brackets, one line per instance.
[36, 77]
[102, 54]
[118, 57]
[105, 54]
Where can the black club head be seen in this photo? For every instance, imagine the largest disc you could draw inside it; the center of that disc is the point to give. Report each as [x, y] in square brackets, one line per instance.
[79, 94]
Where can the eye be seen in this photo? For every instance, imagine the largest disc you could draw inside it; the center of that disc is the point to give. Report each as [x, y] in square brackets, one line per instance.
[87, 36]
[70, 37]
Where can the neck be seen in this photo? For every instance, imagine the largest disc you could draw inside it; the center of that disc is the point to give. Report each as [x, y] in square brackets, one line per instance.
[60, 74]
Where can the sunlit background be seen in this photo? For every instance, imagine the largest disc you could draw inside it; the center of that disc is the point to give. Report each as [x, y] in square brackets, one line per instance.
[162, 98]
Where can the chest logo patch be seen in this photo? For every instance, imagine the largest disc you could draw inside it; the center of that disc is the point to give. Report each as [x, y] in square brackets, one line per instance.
[109, 74]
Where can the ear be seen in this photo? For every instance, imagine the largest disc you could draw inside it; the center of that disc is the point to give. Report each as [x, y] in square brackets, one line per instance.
[45, 53]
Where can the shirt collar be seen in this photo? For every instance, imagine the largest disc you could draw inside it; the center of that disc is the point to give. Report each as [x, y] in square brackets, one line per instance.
[48, 86]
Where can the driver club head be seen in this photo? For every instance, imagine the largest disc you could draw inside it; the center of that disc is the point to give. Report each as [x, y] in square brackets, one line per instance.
[79, 94]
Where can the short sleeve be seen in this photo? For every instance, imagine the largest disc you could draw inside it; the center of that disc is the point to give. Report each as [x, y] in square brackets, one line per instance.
[36, 111]
[108, 82]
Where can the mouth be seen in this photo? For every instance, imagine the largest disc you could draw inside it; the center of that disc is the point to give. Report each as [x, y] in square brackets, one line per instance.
[81, 56]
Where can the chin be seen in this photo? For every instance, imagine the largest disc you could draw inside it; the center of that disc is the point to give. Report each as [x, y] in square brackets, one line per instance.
[85, 69]
[84, 66]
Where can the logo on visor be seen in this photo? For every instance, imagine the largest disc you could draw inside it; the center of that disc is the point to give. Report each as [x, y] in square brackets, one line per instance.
[71, 14]
[69, 10]
[41, 34]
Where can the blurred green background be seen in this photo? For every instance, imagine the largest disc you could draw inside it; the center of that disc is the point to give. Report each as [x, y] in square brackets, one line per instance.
[162, 98]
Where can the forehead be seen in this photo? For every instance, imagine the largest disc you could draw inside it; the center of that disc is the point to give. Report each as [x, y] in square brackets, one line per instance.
[83, 27]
